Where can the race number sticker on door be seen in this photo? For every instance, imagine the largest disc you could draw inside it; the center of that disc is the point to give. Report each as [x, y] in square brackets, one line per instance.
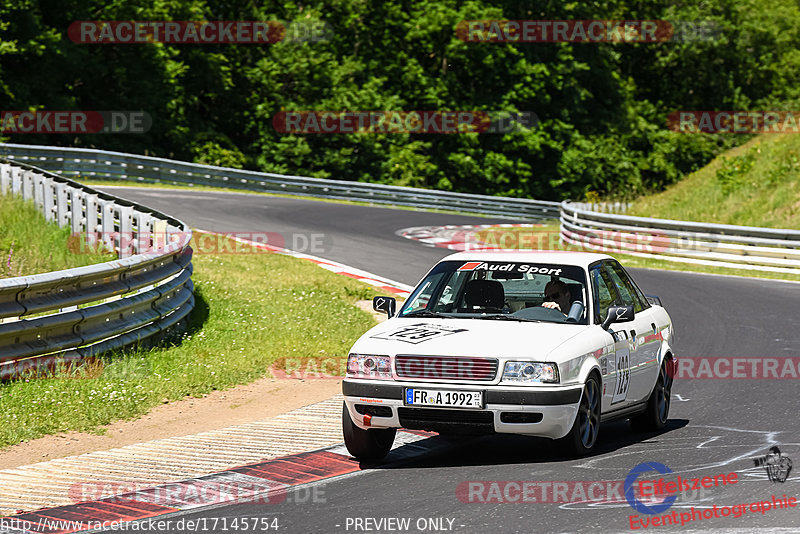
[419, 332]
[623, 374]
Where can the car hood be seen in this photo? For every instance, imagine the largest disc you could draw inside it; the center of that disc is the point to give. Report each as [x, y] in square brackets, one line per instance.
[467, 337]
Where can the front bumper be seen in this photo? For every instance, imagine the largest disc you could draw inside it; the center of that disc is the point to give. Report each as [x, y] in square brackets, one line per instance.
[536, 411]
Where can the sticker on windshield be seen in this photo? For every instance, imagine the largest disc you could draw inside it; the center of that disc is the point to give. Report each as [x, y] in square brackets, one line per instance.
[417, 333]
[509, 268]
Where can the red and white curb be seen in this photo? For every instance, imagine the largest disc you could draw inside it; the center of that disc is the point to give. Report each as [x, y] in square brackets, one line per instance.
[269, 483]
[456, 237]
[385, 284]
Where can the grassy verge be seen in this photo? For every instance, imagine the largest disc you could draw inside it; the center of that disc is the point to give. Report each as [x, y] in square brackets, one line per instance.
[756, 184]
[547, 238]
[254, 309]
[31, 245]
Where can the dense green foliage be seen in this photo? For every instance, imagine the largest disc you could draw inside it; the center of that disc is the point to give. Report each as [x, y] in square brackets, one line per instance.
[602, 107]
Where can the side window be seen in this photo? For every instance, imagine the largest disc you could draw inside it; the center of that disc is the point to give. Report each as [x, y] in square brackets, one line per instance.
[450, 291]
[604, 293]
[630, 297]
[421, 298]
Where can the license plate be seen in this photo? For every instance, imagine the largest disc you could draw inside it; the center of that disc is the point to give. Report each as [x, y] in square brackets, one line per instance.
[446, 398]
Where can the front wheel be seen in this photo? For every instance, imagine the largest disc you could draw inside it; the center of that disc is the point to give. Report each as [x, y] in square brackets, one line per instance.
[656, 414]
[583, 435]
[372, 444]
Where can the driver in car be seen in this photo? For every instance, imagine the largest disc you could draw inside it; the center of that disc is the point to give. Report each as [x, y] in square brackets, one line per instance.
[556, 296]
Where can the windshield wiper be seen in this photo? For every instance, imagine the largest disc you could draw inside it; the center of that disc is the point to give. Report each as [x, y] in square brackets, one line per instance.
[503, 317]
[427, 313]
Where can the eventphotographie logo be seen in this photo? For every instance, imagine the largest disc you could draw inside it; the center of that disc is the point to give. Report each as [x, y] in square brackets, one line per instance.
[630, 485]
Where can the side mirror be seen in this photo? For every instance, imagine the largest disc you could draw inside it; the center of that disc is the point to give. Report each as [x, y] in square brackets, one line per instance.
[388, 305]
[618, 314]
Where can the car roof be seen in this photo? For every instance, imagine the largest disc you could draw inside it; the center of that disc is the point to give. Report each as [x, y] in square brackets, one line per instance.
[582, 259]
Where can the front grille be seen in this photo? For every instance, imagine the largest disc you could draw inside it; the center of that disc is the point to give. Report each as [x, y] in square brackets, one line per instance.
[446, 368]
[448, 421]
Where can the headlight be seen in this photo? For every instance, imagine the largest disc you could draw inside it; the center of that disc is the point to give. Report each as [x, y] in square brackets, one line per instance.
[369, 366]
[530, 372]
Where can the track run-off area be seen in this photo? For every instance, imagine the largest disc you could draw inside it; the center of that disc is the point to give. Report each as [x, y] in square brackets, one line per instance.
[519, 484]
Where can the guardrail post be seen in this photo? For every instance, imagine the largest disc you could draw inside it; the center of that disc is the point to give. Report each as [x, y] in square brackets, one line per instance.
[62, 210]
[91, 220]
[160, 239]
[144, 233]
[92, 214]
[5, 178]
[38, 191]
[77, 211]
[49, 202]
[16, 180]
[125, 231]
[107, 224]
[27, 185]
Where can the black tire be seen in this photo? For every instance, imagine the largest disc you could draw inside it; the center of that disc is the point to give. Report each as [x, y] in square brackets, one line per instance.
[373, 444]
[656, 414]
[583, 435]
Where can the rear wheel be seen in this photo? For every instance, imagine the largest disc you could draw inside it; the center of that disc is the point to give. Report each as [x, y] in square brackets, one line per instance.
[372, 444]
[657, 412]
[583, 435]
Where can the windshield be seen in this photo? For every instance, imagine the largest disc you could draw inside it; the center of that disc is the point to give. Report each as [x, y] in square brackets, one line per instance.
[505, 290]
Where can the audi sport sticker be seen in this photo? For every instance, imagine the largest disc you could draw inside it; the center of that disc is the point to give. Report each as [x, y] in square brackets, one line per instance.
[509, 267]
[418, 332]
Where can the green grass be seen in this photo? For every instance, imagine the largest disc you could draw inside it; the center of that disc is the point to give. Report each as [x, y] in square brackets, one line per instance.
[756, 184]
[254, 309]
[31, 245]
[547, 238]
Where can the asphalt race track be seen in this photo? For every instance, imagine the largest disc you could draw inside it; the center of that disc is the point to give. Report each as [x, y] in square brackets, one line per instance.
[716, 426]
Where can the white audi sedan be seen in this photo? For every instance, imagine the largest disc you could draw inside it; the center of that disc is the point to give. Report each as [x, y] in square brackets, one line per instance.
[544, 344]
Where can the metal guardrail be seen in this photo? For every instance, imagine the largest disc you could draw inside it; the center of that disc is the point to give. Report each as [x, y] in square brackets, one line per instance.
[77, 313]
[101, 164]
[723, 245]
